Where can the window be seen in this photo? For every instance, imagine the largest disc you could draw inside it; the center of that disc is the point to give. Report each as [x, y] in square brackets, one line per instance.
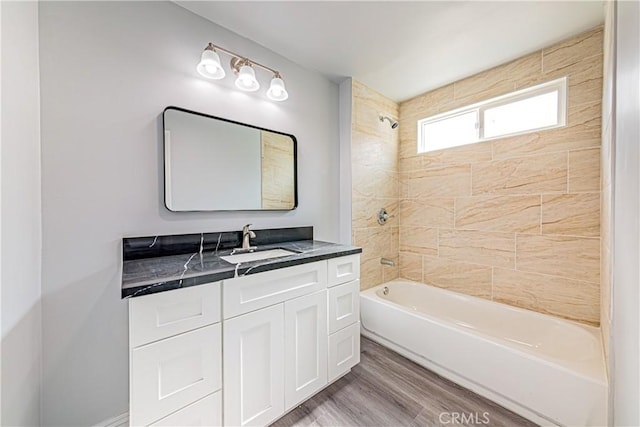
[528, 110]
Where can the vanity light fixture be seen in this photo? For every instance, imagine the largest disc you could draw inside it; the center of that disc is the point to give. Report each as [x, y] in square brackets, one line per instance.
[246, 76]
[276, 91]
[210, 67]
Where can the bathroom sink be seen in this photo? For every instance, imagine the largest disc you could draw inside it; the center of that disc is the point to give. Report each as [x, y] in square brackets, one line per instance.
[257, 256]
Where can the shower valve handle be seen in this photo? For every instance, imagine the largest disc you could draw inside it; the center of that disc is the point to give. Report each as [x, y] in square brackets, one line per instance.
[383, 216]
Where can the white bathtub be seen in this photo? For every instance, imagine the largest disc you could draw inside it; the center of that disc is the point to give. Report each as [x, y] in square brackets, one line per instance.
[546, 369]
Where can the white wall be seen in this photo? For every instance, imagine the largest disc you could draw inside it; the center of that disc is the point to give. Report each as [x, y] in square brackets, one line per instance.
[21, 220]
[345, 161]
[625, 349]
[108, 69]
[1, 212]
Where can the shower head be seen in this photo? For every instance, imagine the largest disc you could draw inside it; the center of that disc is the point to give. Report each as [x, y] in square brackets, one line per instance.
[393, 123]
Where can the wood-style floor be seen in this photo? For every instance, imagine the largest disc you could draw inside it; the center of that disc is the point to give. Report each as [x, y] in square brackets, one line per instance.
[386, 389]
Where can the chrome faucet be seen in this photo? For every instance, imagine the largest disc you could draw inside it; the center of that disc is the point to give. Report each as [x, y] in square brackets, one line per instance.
[246, 235]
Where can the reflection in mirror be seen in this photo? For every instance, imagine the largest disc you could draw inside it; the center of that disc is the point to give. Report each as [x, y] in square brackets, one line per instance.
[213, 164]
[277, 171]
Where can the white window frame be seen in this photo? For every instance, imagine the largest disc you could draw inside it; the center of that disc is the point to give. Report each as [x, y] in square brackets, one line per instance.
[480, 107]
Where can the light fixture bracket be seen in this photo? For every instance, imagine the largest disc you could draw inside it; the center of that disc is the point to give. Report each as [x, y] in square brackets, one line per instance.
[237, 62]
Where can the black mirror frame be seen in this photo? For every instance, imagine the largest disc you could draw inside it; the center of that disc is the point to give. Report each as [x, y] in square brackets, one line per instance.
[164, 163]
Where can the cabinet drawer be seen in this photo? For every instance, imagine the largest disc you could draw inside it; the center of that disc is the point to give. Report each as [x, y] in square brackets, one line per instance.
[249, 293]
[157, 316]
[344, 305]
[203, 413]
[343, 269]
[344, 350]
[170, 374]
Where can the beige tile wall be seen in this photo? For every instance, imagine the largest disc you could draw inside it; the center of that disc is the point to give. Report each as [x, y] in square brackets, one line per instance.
[374, 154]
[515, 220]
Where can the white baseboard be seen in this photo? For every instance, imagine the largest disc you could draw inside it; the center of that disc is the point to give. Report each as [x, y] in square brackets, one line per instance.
[119, 421]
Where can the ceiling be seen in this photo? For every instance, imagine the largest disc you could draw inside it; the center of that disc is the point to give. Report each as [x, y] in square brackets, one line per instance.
[402, 49]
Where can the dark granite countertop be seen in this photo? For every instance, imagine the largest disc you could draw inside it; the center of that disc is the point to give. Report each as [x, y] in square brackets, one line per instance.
[163, 273]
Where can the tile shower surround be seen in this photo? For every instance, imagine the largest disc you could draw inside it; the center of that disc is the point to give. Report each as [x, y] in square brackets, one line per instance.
[374, 154]
[514, 220]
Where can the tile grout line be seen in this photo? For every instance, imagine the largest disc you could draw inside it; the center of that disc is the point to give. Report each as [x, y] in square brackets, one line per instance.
[555, 276]
[567, 192]
[492, 274]
[515, 251]
[540, 229]
[471, 176]
[454, 211]
[518, 155]
[571, 236]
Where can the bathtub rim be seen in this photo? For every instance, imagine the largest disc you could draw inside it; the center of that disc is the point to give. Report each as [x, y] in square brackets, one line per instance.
[593, 329]
[599, 377]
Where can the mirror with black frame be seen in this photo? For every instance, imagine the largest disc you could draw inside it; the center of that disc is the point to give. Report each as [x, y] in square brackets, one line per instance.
[215, 164]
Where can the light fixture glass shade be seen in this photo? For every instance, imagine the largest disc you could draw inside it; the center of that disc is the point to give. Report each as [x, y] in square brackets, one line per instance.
[247, 79]
[209, 65]
[276, 91]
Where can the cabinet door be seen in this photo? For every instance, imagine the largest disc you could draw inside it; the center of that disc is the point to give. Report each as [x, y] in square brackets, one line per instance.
[170, 374]
[305, 334]
[254, 367]
[344, 305]
[344, 351]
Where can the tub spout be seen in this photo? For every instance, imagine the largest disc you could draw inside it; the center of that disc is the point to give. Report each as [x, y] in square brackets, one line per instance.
[387, 261]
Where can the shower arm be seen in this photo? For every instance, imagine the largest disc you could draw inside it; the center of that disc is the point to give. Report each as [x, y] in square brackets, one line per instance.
[392, 123]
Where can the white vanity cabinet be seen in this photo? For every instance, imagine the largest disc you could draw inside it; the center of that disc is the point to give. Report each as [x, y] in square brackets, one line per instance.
[246, 350]
[175, 357]
[344, 314]
[275, 348]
